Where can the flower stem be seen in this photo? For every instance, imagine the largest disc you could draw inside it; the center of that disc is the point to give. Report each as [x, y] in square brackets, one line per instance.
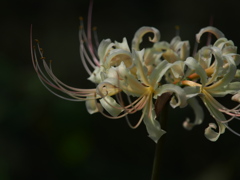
[161, 108]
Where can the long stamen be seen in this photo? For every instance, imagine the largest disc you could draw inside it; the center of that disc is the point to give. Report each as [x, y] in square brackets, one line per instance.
[230, 129]
[89, 35]
[95, 36]
[76, 93]
[137, 124]
[221, 108]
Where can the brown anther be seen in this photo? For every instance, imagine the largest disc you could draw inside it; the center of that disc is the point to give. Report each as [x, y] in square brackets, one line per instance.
[177, 27]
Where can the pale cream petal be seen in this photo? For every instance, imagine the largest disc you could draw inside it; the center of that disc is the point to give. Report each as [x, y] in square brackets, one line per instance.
[158, 73]
[141, 69]
[195, 66]
[179, 92]
[111, 106]
[141, 32]
[182, 48]
[91, 106]
[103, 49]
[170, 56]
[117, 56]
[129, 83]
[236, 97]
[152, 125]
[209, 29]
[218, 65]
[221, 42]
[213, 107]
[192, 91]
[228, 77]
[123, 45]
[231, 88]
[211, 134]
[204, 57]
[95, 77]
[199, 114]
[178, 69]
[161, 46]
[107, 88]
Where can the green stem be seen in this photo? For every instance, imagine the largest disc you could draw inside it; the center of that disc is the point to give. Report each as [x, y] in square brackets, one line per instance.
[161, 108]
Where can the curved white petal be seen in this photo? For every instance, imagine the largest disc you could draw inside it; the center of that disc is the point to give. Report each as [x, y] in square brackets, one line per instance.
[170, 56]
[178, 69]
[209, 29]
[199, 114]
[91, 106]
[129, 83]
[236, 97]
[179, 92]
[111, 106]
[204, 57]
[158, 73]
[153, 126]
[161, 46]
[96, 77]
[192, 91]
[107, 88]
[181, 47]
[141, 69]
[231, 88]
[141, 32]
[228, 77]
[221, 42]
[123, 45]
[103, 49]
[116, 56]
[211, 134]
[194, 65]
[218, 64]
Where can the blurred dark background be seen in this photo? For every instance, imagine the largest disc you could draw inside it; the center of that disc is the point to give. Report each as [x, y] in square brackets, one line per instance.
[44, 137]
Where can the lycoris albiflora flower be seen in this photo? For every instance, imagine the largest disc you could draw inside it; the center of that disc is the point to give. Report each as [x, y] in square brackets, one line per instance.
[115, 69]
[212, 74]
[145, 74]
[139, 81]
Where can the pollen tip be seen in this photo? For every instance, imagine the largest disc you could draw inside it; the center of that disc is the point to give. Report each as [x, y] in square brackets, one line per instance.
[177, 27]
[94, 28]
[42, 57]
[80, 27]
[81, 18]
[36, 40]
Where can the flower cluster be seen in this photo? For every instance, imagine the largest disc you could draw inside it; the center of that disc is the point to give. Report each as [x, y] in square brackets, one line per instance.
[140, 76]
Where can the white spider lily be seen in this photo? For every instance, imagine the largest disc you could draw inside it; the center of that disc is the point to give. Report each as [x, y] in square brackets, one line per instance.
[215, 67]
[144, 75]
[145, 87]
[114, 69]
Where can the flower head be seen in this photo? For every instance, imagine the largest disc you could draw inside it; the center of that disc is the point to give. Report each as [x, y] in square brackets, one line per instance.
[212, 74]
[143, 75]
